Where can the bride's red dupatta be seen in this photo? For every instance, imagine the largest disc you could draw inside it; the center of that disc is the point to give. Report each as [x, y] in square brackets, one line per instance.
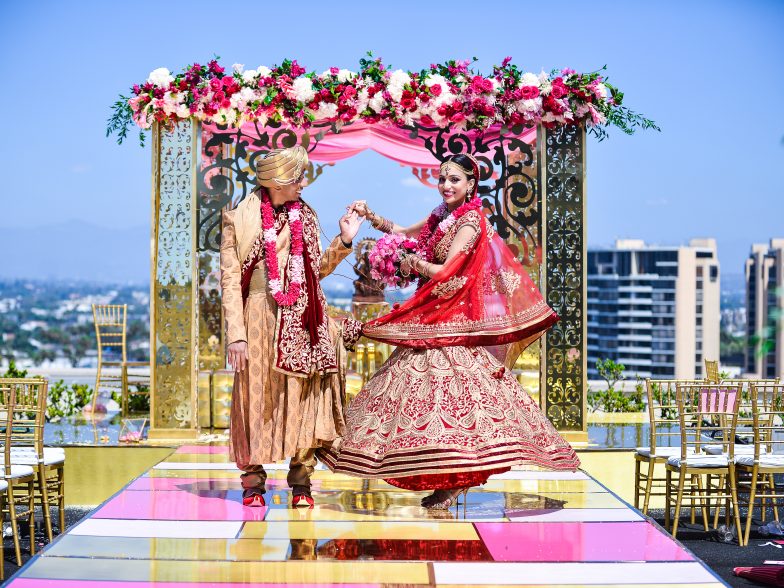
[482, 297]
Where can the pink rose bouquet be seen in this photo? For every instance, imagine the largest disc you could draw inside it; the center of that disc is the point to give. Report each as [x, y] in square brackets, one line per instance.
[386, 256]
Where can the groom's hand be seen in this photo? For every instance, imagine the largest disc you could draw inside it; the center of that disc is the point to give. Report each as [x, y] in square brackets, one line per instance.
[238, 355]
[349, 226]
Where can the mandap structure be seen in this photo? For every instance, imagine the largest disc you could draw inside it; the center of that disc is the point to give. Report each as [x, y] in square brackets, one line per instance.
[209, 125]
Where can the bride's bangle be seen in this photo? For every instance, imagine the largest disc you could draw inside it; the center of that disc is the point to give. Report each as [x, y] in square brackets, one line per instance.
[380, 223]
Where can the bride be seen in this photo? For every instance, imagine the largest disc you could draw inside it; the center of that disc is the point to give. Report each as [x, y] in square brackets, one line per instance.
[443, 413]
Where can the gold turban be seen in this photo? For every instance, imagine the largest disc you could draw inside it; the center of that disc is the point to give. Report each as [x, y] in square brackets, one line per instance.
[281, 166]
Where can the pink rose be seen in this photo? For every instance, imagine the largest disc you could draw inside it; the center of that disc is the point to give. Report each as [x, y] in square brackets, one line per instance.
[215, 84]
[528, 92]
[334, 71]
[436, 89]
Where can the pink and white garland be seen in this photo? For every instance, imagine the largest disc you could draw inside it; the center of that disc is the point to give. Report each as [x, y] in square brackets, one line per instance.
[443, 95]
[297, 261]
[441, 222]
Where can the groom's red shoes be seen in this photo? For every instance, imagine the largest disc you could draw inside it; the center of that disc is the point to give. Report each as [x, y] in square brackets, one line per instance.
[254, 500]
[302, 500]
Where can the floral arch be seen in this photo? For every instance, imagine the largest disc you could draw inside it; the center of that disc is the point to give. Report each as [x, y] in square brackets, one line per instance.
[208, 126]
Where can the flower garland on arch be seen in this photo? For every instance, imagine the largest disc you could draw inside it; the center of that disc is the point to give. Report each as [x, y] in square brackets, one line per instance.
[297, 277]
[441, 222]
[443, 95]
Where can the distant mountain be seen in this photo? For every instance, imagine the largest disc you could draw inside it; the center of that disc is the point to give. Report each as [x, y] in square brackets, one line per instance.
[76, 250]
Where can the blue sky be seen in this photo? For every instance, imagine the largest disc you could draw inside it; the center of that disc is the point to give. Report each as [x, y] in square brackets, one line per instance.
[710, 73]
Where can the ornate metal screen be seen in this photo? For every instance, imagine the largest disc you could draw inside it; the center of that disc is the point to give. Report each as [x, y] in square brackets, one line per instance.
[173, 311]
[512, 175]
[564, 284]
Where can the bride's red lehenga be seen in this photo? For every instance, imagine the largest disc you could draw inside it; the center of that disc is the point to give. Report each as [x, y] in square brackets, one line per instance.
[443, 412]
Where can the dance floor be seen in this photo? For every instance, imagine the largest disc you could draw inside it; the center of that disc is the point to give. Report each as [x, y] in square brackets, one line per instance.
[182, 525]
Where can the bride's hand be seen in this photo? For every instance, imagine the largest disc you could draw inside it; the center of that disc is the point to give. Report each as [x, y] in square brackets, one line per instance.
[360, 207]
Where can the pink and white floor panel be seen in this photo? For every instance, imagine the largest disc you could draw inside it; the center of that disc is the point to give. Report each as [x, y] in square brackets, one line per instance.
[182, 525]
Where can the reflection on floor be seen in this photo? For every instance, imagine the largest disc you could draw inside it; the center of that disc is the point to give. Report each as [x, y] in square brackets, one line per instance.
[182, 525]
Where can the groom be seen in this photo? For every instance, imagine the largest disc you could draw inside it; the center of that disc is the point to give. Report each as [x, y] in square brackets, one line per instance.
[288, 356]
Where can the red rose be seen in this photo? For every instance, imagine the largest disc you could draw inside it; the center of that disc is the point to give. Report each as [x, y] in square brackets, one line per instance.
[225, 103]
[558, 91]
[219, 97]
[552, 105]
[436, 89]
[215, 84]
[408, 103]
[350, 92]
[529, 92]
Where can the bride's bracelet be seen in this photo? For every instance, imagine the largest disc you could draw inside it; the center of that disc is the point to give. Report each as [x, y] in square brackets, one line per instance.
[380, 223]
[419, 265]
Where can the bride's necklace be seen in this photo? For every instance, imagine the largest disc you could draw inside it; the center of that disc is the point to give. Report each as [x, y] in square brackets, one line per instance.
[441, 223]
[297, 266]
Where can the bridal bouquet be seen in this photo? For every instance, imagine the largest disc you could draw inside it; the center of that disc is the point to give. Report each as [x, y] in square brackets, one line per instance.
[386, 256]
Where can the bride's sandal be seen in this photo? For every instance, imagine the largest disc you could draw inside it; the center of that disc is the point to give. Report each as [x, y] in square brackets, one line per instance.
[447, 498]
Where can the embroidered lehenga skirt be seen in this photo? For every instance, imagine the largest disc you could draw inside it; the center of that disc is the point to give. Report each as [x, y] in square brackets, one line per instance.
[445, 418]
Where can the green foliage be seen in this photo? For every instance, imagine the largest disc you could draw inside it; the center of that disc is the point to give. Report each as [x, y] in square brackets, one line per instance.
[13, 372]
[137, 403]
[610, 371]
[65, 401]
[121, 119]
[615, 401]
[612, 400]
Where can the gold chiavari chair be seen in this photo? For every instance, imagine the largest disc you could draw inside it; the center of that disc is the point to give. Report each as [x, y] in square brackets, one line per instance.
[20, 479]
[712, 371]
[110, 333]
[767, 459]
[27, 448]
[705, 410]
[664, 441]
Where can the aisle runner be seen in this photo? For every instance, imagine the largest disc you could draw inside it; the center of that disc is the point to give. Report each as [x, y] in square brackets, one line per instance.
[182, 525]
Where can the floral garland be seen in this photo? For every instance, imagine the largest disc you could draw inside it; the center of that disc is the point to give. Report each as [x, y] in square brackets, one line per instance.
[443, 95]
[297, 277]
[428, 240]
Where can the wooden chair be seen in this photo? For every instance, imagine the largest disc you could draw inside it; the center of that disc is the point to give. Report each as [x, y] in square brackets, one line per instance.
[704, 409]
[712, 371]
[20, 479]
[110, 330]
[27, 448]
[767, 459]
[664, 439]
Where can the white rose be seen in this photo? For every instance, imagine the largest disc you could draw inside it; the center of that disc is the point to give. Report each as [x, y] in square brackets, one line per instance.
[263, 71]
[238, 67]
[183, 111]
[362, 100]
[303, 89]
[326, 110]
[249, 76]
[345, 75]
[601, 90]
[160, 77]
[433, 79]
[529, 79]
[397, 80]
[531, 105]
[377, 102]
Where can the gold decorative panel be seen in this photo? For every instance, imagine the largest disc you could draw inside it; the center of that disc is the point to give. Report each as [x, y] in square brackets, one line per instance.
[173, 309]
[564, 285]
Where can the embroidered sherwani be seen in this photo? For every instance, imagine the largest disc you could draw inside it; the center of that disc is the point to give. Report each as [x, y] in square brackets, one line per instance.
[277, 412]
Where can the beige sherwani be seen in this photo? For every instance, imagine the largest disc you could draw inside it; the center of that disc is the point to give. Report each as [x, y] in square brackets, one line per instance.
[274, 415]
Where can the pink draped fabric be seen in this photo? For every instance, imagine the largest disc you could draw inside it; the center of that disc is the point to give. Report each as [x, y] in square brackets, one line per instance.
[391, 142]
